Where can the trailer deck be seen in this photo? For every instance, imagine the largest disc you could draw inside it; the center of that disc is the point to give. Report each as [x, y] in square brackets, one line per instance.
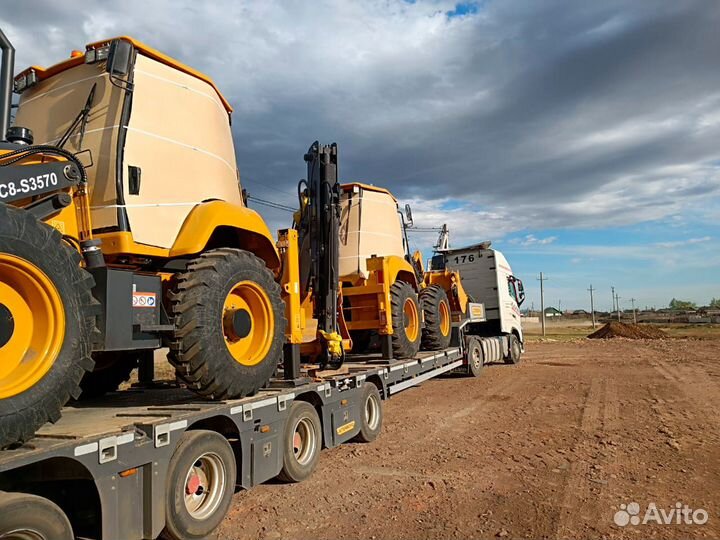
[121, 444]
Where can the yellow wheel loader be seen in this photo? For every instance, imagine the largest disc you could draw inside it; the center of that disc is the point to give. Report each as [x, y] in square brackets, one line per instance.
[379, 285]
[122, 229]
[386, 289]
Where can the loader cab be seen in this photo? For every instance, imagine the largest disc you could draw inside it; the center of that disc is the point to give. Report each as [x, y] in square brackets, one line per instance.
[370, 224]
[156, 140]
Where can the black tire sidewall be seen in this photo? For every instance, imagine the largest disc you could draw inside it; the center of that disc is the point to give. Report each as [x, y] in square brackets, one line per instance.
[217, 373]
[22, 511]
[367, 434]
[515, 351]
[179, 524]
[292, 470]
[400, 292]
[472, 369]
[217, 348]
[431, 298]
[25, 237]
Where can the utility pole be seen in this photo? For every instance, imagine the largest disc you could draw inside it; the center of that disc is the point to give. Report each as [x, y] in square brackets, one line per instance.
[613, 299]
[560, 306]
[592, 305]
[617, 304]
[633, 308]
[542, 279]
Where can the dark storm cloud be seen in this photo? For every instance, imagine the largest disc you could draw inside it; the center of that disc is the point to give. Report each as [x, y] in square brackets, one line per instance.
[546, 114]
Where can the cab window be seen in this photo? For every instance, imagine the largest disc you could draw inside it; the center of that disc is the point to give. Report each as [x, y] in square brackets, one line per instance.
[511, 289]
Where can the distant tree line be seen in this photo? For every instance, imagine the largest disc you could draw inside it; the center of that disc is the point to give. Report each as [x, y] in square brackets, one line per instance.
[686, 305]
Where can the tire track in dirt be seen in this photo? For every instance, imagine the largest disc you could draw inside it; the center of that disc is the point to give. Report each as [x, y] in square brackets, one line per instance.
[686, 381]
[579, 508]
[546, 449]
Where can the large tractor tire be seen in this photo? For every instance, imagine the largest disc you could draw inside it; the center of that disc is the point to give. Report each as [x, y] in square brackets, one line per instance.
[47, 320]
[112, 368]
[405, 320]
[230, 324]
[438, 320]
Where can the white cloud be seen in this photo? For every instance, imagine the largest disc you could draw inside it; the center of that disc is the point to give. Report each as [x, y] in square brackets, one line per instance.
[689, 241]
[536, 115]
[532, 240]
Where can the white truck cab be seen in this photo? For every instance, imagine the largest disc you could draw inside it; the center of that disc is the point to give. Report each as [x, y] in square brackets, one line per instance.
[488, 279]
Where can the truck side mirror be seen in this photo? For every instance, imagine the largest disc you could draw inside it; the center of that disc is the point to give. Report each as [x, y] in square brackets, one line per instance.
[409, 216]
[520, 292]
[118, 62]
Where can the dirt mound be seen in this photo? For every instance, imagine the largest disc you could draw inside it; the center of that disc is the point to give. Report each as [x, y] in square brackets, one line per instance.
[629, 331]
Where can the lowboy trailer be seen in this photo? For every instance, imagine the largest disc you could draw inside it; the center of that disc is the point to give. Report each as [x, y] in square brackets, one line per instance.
[157, 462]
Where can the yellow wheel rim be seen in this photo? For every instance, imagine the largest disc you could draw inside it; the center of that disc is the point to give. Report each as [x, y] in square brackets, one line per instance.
[412, 320]
[32, 327]
[248, 323]
[444, 318]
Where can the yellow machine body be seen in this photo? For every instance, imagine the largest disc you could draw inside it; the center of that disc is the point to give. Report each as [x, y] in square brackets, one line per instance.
[372, 256]
[162, 176]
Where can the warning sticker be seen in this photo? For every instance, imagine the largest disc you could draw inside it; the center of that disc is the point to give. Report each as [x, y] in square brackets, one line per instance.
[144, 300]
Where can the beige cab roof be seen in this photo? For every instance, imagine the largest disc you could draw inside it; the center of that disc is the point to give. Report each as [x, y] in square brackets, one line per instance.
[370, 187]
[75, 60]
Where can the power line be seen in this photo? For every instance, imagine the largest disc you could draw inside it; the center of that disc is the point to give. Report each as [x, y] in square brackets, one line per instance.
[264, 185]
[271, 204]
[245, 178]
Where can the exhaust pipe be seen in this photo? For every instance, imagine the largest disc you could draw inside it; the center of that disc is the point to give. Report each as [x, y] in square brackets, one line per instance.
[6, 83]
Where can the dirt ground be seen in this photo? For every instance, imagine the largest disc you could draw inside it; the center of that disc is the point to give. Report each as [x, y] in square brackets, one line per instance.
[547, 449]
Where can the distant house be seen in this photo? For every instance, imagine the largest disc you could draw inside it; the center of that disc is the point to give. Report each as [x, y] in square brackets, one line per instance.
[552, 312]
[580, 312]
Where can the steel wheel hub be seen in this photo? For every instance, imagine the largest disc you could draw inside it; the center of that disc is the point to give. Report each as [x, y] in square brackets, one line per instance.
[204, 486]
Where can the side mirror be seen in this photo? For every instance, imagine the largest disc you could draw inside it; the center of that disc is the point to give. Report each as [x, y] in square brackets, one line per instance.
[409, 216]
[520, 291]
[118, 62]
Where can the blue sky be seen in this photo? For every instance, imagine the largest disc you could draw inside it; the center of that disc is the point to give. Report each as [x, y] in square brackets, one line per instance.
[580, 137]
[651, 261]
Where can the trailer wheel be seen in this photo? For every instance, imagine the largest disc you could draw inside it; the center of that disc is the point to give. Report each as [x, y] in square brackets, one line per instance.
[371, 418]
[515, 353]
[438, 319]
[475, 357]
[302, 444]
[200, 485]
[47, 320]
[230, 324]
[405, 320]
[29, 517]
[112, 368]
